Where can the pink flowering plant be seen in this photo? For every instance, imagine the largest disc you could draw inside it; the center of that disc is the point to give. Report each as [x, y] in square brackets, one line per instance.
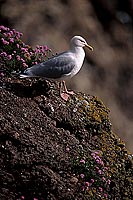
[15, 55]
[94, 176]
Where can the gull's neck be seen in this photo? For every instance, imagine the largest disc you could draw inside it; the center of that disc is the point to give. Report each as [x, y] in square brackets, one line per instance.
[79, 51]
[79, 55]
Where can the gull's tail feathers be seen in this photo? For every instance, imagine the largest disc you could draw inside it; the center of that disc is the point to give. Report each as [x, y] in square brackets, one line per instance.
[24, 76]
[21, 74]
[27, 73]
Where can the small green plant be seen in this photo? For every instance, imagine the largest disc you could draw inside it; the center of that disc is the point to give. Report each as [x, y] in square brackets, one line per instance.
[15, 55]
[93, 175]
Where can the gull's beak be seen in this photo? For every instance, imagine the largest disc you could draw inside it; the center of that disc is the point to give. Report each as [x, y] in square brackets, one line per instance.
[88, 46]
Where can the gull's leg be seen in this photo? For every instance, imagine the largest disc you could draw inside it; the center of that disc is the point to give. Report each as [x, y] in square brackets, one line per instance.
[58, 84]
[65, 89]
[64, 94]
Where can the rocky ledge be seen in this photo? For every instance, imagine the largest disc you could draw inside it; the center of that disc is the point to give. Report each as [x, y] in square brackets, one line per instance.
[55, 150]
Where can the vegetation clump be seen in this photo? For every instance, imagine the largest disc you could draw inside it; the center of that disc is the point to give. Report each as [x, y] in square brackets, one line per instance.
[15, 55]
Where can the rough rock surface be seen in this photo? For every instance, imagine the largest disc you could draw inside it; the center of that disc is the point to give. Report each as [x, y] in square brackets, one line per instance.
[41, 136]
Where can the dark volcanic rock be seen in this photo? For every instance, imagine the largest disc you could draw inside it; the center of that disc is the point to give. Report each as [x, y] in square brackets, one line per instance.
[42, 137]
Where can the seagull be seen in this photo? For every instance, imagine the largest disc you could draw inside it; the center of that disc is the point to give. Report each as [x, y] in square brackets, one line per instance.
[62, 66]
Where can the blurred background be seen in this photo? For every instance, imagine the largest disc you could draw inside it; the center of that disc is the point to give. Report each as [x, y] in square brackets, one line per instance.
[107, 26]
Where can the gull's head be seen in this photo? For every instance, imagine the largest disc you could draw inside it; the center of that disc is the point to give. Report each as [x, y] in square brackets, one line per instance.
[78, 41]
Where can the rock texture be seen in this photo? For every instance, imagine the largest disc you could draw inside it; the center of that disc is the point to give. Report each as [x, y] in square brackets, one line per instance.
[41, 138]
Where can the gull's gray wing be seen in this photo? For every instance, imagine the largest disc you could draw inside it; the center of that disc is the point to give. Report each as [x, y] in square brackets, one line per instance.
[53, 68]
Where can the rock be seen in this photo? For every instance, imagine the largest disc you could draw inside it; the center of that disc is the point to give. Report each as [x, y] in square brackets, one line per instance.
[46, 144]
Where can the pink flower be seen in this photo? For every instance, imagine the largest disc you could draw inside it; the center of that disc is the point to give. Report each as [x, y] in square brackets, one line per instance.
[4, 41]
[82, 161]
[17, 45]
[92, 180]
[103, 178]
[22, 59]
[105, 195]
[83, 188]
[100, 189]
[22, 197]
[11, 32]
[24, 49]
[100, 171]
[25, 65]
[108, 181]
[82, 175]
[106, 168]
[67, 149]
[97, 160]
[101, 162]
[3, 28]
[96, 152]
[11, 40]
[9, 57]
[46, 48]
[1, 74]
[87, 184]
[18, 57]
[3, 54]
[5, 34]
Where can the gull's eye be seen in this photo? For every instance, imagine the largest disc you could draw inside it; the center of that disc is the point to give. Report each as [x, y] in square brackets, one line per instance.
[82, 41]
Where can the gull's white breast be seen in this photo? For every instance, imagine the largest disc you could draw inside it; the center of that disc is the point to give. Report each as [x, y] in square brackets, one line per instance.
[79, 56]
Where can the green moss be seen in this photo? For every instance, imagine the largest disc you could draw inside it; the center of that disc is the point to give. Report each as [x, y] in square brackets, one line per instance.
[89, 111]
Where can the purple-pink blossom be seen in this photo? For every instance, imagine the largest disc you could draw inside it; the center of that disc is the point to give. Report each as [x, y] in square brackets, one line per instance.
[19, 51]
[9, 57]
[97, 158]
[4, 28]
[100, 189]
[103, 178]
[82, 161]
[105, 195]
[83, 188]
[67, 148]
[46, 48]
[17, 46]
[11, 40]
[24, 50]
[25, 65]
[100, 171]
[1, 74]
[108, 181]
[3, 54]
[87, 184]
[18, 57]
[4, 41]
[82, 175]
[10, 33]
[92, 180]
[22, 59]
